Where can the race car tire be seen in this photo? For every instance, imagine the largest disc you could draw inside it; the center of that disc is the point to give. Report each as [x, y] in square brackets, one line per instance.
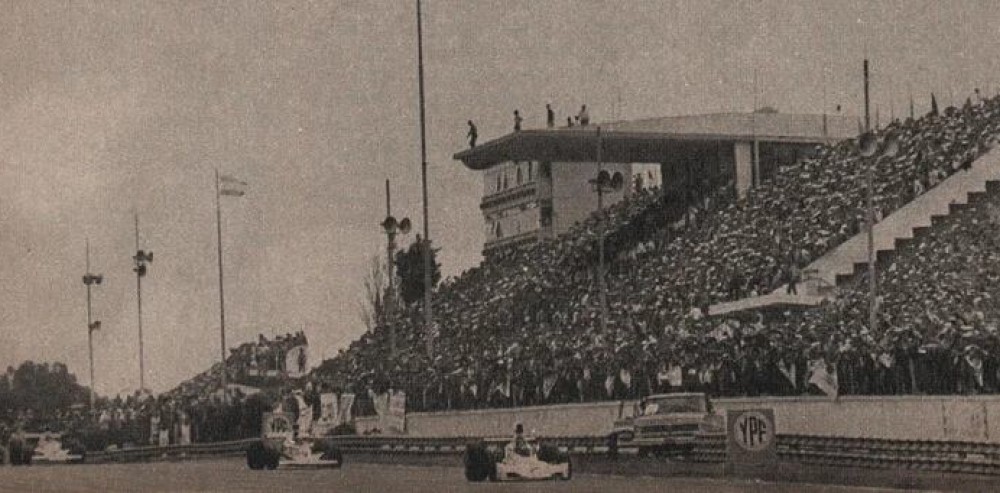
[478, 462]
[272, 460]
[255, 456]
[333, 454]
[20, 453]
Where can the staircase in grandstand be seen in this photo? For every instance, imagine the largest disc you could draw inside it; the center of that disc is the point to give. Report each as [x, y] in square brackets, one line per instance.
[849, 259]
[907, 222]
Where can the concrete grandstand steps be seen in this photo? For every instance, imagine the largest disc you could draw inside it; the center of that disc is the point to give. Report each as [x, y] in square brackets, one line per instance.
[975, 198]
[932, 208]
[849, 260]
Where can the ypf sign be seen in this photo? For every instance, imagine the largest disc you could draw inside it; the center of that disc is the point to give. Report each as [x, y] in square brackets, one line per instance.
[751, 436]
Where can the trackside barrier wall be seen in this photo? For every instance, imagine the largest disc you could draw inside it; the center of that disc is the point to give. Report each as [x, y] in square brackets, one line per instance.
[139, 454]
[950, 418]
[944, 456]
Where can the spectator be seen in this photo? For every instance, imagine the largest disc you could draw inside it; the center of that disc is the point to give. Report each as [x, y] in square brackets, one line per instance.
[473, 134]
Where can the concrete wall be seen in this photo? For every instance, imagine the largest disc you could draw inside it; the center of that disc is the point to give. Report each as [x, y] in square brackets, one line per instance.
[573, 198]
[743, 152]
[971, 418]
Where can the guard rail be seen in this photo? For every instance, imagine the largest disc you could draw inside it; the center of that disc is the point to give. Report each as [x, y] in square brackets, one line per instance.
[951, 456]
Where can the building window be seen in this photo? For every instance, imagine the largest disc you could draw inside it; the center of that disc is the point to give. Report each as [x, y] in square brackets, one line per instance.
[520, 177]
[499, 230]
[498, 182]
[505, 180]
[546, 171]
[531, 171]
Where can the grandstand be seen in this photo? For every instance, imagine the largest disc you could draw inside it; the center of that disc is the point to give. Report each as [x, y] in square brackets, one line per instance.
[523, 327]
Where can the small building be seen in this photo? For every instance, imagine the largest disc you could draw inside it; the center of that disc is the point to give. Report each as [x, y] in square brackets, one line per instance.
[537, 182]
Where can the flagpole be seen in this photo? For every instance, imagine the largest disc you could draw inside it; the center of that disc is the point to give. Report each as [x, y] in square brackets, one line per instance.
[222, 296]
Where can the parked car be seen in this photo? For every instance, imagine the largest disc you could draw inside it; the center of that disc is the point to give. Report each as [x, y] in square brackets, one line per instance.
[667, 424]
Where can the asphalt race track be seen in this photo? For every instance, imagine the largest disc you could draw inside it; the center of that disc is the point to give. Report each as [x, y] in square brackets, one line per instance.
[233, 475]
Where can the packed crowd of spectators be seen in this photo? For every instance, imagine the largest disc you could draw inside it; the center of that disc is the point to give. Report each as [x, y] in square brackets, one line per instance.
[525, 326]
[266, 357]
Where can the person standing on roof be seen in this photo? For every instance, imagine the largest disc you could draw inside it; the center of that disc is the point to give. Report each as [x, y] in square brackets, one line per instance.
[583, 116]
[550, 116]
[472, 135]
[517, 121]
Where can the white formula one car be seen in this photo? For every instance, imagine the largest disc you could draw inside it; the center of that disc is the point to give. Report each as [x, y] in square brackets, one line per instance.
[307, 454]
[496, 462]
[279, 447]
[50, 451]
[293, 454]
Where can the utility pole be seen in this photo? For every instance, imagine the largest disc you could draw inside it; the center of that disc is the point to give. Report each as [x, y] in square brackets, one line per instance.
[141, 258]
[391, 228]
[222, 293]
[868, 122]
[600, 240]
[753, 130]
[603, 183]
[870, 221]
[92, 325]
[428, 306]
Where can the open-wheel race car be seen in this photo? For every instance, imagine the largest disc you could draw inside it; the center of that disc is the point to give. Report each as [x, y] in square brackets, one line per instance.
[279, 447]
[498, 460]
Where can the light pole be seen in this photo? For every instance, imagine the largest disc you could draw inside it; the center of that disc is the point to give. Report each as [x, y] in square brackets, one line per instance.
[92, 325]
[428, 305]
[868, 146]
[141, 258]
[392, 228]
[603, 183]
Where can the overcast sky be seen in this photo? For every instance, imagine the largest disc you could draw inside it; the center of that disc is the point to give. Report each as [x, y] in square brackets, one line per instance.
[113, 107]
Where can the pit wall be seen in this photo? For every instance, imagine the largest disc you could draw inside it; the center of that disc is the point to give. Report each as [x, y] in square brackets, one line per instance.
[957, 418]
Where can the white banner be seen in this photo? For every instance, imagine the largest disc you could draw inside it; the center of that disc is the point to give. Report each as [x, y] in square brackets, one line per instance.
[185, 438]
[296, 361]
[154, 430]
[346, 403]
[381, 403]
[328, 410]
[305, 417]
[395, 418]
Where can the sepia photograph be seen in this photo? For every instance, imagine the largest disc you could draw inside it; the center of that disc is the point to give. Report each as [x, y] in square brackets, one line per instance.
[414, 246]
